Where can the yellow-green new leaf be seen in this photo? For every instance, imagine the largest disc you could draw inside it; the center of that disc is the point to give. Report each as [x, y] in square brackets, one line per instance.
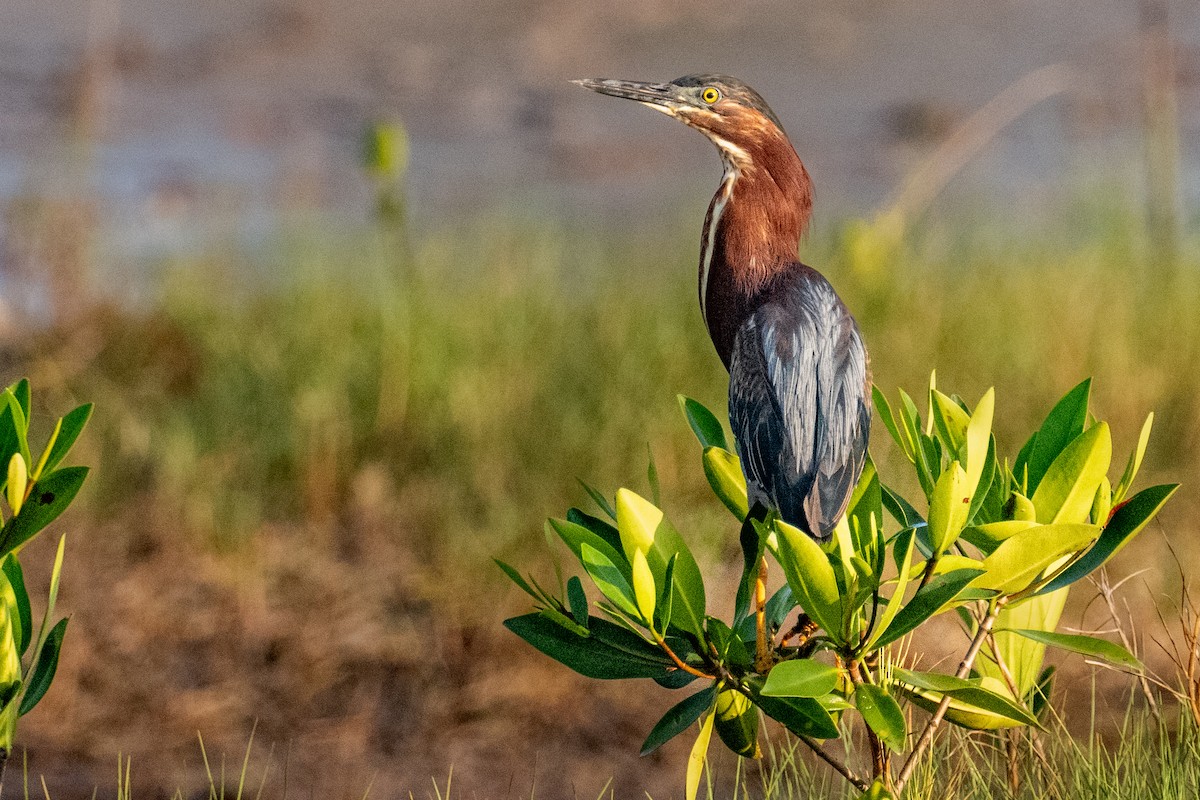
[18, 479]
[810, 575]
[696, 758]
[948, 508]
[951, 421]
[978, 437]
[1021, 558]
[724, 472]
[1066, 491]
[637, 520]
[643, 587]
[1135, 461]
[737, 723]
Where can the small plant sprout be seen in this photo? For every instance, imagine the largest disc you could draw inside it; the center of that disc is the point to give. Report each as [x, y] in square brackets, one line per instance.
[35, 499]
[993, 542]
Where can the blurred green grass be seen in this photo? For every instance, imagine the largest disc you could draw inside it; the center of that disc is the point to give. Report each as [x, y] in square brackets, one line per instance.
[494, 360]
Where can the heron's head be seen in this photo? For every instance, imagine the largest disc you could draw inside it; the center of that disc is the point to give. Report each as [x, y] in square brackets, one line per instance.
[727, 111]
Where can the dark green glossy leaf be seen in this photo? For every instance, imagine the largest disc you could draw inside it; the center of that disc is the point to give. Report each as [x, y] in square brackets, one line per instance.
[44, 669]
[665, 602]
[679, 718]
[803, 716]
[1088, 646]
[927, 602]
[21, 393]
[882, 714]
[601, 528]
[801, 677]
[609, 653]
[16, 580]
[900, 509]
[72, 425]
[884, 409]
[1128, 520]
[704, 423]
[50, 497]
[578, 601]
[731, 650]
[1063, 424]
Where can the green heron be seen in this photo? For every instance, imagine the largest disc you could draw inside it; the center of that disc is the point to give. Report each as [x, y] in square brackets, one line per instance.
[798, 369]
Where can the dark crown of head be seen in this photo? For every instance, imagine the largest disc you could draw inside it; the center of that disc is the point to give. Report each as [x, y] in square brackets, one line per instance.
[733, 89]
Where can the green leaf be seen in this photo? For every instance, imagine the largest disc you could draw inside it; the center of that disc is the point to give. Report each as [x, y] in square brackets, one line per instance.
[724, 472]
[652, 479]
[704, 424]
[1135, 462]
[609, 653]
[516, 578]
[877, 791]
[1063, 424]
[729, 647]
[927, 602]
[20, 601]
[884, 409]
[666, 599]
[697, 758]
[902, 550]
[552, 613]
[72, 425]
[601, 528]
[1021, 558]
[989, 536]
[609, 579]
[950, 421]
[21, 392]
[882, 714]
[688, 601]
[600, 500]
[1128, 520]
[801, 677]
[20, 426]
[679, 718]
[50, 497]
[1066, 491]
[866, 504]
[803, 716]
[576, 536]
[44, 668]
[1088, 646]
[900, 509]
[811, 577]
[578, 600]
[737, 723]
[969, 693]
[948, 508]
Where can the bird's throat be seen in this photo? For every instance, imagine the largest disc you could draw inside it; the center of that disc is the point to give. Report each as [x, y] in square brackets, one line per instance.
[751, 233]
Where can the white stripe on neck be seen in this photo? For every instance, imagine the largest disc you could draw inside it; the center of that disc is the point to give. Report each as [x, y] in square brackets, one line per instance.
[724, 193]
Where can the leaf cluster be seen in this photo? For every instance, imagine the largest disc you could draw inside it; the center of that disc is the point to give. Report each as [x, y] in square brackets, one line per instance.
[996, 542]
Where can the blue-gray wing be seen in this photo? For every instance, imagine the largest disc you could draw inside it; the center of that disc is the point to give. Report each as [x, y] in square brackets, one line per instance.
[798, 384]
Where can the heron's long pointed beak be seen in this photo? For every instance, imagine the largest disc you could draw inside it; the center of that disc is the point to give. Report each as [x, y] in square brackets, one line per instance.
[659, 96]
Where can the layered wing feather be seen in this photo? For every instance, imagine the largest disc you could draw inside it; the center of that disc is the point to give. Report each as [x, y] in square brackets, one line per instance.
[798, 384]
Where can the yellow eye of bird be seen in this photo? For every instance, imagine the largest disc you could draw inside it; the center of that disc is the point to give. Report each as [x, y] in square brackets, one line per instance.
[710, 95]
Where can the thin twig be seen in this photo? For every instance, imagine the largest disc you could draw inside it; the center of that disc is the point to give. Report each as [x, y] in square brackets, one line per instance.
[963, 670]
[832, 761]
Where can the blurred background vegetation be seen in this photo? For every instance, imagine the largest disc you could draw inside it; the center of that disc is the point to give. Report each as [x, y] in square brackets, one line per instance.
[359, 292]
